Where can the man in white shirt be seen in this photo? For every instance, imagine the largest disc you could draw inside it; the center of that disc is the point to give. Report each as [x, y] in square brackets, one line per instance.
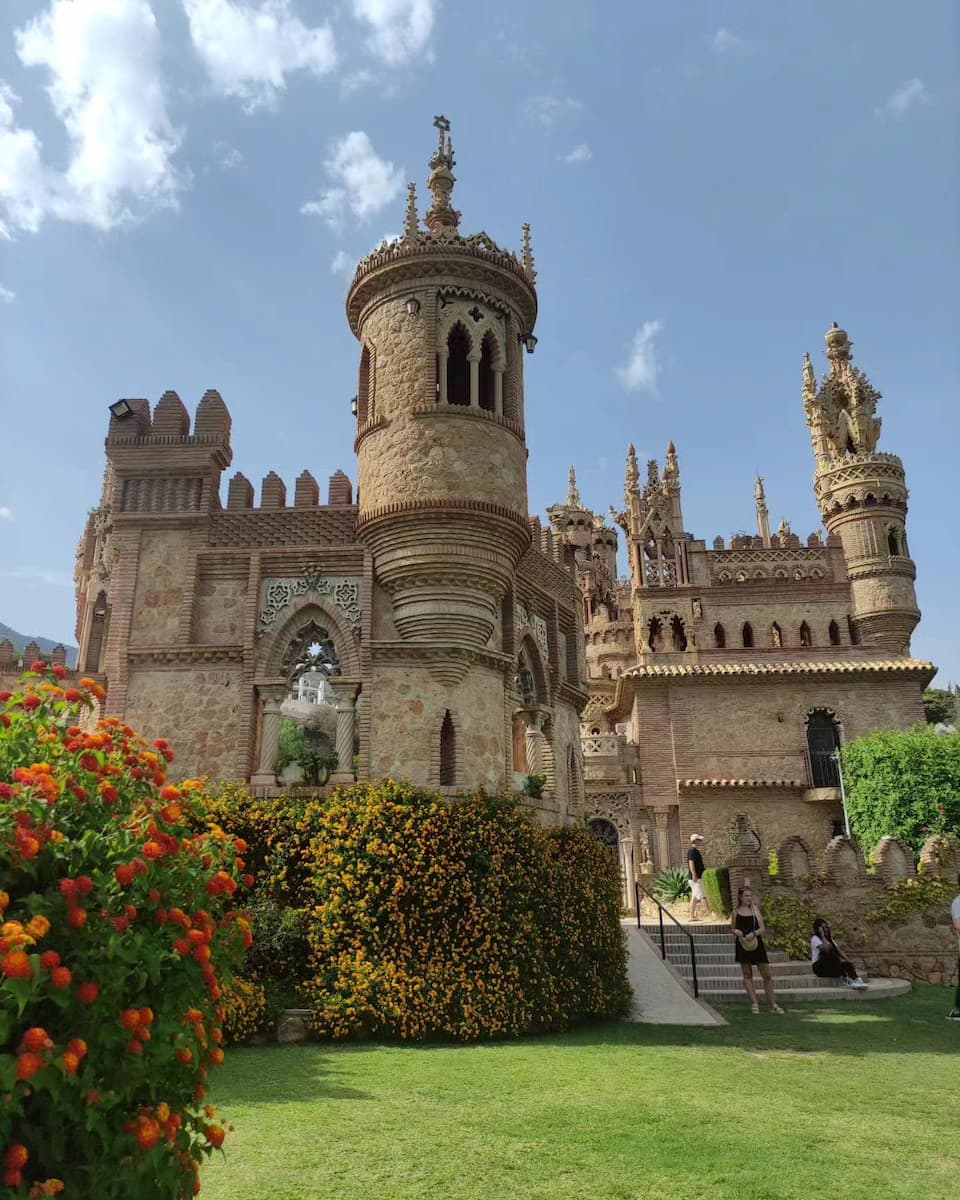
[954, 1014]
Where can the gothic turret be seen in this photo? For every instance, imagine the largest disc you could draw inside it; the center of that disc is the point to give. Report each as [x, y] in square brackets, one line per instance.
[862, 495]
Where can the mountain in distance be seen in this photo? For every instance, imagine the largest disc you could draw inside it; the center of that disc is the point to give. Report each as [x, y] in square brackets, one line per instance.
[21, 640]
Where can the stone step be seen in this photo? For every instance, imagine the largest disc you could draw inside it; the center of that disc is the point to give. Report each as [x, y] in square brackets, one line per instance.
[786, 970]
[880, 989]
[719, 957]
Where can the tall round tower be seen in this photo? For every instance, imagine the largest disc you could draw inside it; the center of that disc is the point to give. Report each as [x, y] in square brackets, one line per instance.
[862, 494]
[442, 320]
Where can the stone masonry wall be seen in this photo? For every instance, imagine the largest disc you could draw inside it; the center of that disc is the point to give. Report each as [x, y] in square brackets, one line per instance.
[399, 364]
[219, 611]
[159, 587]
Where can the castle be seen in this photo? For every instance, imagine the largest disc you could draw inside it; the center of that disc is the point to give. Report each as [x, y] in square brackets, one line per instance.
[461, 644]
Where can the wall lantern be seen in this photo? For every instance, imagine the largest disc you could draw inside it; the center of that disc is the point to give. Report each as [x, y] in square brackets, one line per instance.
[529, 342]
[353, 405]
[121, 409]
[413, 306]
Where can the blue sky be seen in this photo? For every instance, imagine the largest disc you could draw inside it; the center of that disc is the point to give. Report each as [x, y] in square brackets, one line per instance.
[185, 183]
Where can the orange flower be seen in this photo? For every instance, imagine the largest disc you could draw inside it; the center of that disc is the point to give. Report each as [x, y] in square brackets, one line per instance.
[77, 918]
[78, 1047]
[16, 965]
[215, 1135]
[38, 927]
[61, 977]
[16, 1157]
[87, 993]
[28, 1065]
[130, 1019]
[36, 1039]
[70, 1062]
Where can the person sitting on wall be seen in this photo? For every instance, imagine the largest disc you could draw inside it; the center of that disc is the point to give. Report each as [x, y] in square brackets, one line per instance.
[827, 959]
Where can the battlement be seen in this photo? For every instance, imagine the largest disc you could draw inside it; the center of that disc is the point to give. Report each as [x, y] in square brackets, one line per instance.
[169, 424]
[13, 661]
[751, 541]
[273, 492]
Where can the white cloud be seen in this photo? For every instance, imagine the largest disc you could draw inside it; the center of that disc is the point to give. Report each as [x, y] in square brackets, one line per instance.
[911, 94]
[6, 297]
[38, 575]
[400, 29]
[550, 110]
[250, 48]
[361, 182]
[579, 154]
[6, 512]
[642, 368]
[228, 157]
[725, 42]
[103, 58]
[343, 264]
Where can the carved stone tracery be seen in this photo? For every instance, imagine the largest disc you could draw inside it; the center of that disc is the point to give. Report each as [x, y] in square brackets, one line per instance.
[277, 593]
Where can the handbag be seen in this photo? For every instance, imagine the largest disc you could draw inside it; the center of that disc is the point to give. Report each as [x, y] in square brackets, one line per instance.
[749, 942]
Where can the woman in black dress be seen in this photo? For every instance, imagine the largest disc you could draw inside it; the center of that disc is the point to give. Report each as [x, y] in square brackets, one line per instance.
[748, 930]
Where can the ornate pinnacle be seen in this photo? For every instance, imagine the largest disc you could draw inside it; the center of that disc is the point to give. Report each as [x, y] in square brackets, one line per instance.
[671, 470]
[442, 215]
[809, 378]
[526, 260]
[838, 347]
[573, 495]
[411, 222]
[633, 474]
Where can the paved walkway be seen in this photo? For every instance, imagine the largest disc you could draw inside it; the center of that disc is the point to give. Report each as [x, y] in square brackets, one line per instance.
[659, 996]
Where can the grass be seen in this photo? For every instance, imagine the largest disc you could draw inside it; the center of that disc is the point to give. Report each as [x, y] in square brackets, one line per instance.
[858, 1101]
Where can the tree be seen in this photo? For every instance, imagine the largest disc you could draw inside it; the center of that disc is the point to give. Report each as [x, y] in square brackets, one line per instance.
[940, 706]
[903, 784]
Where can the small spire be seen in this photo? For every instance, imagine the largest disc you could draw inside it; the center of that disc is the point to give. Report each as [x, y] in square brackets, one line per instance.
[442, 215]
[758, 492]
[633, 473]
[763, 515]
[573, 495]
[839, 347]
[411, 222]
[526, 260]
[809, 378]
[671, 471]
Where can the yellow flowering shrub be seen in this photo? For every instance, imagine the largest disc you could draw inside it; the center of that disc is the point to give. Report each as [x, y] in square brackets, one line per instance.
[244, 1009]
[427, 917]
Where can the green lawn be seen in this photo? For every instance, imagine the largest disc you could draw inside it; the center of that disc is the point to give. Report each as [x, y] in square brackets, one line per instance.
[855, 1101]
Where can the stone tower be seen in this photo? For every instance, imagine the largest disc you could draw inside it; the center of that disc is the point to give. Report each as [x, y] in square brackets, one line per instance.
[442, 320]
[862, 495]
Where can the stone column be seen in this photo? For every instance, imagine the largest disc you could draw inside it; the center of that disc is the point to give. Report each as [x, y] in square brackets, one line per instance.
[533, 720]
[498, 393]
[474, 361]
[662, 820]
[266, 772]
[629, 876]
[346, 694]
[442, 355]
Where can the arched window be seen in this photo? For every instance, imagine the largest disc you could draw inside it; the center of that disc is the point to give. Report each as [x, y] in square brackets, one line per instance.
[833, 632]
[853, 631]
[678, 637]
[805, 638]
[605, 832]
[487, 375]
[776, 636]
[363, 388]
[98, 625]
[823, 739]
[448, 752]
[747, 636]
[893, 542]
[719, 636]
[655, 632]
[458, 366]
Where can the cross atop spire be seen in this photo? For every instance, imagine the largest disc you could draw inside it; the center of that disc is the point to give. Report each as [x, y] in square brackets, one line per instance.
[442, 215]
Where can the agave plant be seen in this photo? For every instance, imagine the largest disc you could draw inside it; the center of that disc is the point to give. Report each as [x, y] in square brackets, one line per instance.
[672, 885]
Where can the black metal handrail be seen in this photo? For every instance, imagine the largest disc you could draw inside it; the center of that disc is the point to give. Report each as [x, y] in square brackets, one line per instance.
[663, 944]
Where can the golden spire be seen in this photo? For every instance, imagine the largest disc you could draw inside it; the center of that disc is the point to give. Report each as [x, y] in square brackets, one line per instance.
[442, 215]
[411, 222]
[573, 494]
[526, 259]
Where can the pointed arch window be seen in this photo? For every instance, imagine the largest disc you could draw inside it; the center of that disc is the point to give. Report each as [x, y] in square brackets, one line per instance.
[458, 366]
[747, 635]
[805, 637]
[833, 632]
[776, 636]
[853, 631]
[488, 383]
[823, 741]
[719, 637]
[893, 542]
[448, 751]
[363, 387]
[678, 637]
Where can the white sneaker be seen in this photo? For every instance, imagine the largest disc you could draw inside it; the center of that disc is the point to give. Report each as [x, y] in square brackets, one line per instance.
[859, 984]
[850, 983]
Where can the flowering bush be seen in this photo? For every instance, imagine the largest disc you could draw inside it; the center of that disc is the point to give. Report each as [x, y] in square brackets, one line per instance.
[119, 930]
[244, 1010]
[460, 919]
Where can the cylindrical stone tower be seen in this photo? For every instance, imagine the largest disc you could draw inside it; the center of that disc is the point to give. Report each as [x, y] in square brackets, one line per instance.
[442, 320]
[862, 494]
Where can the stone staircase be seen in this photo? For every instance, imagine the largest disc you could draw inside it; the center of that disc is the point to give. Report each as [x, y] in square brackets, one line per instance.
[719, 979]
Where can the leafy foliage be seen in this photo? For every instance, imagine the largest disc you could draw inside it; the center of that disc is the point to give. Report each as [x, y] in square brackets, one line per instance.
[313, 755]
[428, 917]
[941, 706]
[533, 785]
[672, 884]
[716, 883]
[911, 896]
[903, 784]
[789, 921]
[244, 1010]
[120, 930]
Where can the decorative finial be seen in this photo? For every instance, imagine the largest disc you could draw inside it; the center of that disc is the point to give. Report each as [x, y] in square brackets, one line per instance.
[839, 347]
[442, 216]
[411, 222]
[809, 378]
[526, 260]
[758, 492]
[633, 473]
[573, 495]
[671, 471]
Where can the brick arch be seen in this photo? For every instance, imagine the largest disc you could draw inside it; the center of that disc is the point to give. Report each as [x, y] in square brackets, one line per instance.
[795, 859]
[541, 674]
[273, 645]
[440, 715]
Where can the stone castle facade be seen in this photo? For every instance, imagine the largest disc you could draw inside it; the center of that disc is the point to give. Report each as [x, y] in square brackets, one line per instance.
[463, 645]
[722, 678]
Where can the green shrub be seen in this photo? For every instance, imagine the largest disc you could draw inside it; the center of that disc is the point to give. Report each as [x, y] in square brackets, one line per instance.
[672, 884]
[789, 921]
[903, 784]
[903, 900]
[716, 883]
[533, 785]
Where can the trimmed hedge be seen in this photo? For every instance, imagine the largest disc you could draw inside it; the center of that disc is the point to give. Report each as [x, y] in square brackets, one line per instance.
[716, 883]
[428, 917]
